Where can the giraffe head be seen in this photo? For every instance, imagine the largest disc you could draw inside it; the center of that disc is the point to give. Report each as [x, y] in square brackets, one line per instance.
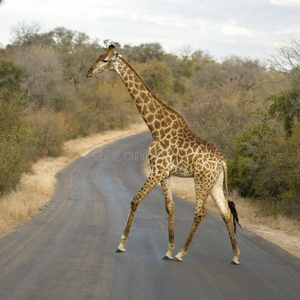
[105, 62]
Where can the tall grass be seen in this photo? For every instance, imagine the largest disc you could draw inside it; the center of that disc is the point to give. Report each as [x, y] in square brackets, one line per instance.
[34, 190]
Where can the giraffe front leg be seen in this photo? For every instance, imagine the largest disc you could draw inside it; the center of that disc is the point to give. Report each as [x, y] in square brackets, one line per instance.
[166, 186]
[124, 237]
[147, 187]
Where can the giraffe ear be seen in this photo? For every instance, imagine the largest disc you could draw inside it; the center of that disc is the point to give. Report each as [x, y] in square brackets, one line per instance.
[115, 56]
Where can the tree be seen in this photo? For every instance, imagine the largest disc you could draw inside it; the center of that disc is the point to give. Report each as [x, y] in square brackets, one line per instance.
[64, 39]
[25, 34]
[287, 59]
[287, 108]
[144, 52]
[287, 55]
[44, 74]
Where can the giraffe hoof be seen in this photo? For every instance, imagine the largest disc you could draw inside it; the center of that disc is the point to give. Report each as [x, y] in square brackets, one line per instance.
[177, 259]
[166, 257]
[120, 250]
[235, 263]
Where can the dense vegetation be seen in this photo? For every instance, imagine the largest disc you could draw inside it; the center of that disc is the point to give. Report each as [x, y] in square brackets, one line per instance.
[251, 111]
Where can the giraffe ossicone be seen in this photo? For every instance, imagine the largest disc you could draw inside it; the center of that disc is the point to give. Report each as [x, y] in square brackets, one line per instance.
[174, 151]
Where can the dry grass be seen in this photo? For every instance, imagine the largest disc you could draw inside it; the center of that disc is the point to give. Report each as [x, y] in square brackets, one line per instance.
[281, 230]
[37, 187]
[33, 192]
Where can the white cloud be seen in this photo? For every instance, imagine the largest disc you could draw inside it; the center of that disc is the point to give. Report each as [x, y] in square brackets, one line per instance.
[232, 29]
[285, 2]
[160, 20]
[287, 31]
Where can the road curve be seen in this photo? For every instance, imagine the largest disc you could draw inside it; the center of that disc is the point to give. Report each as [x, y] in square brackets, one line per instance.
[68, 251]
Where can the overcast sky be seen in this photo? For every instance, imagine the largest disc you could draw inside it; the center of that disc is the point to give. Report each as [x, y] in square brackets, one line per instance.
[247, 28]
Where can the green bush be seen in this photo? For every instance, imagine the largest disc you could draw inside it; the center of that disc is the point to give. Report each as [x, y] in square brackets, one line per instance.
[266, 165]
[16, 146]
[286, 107]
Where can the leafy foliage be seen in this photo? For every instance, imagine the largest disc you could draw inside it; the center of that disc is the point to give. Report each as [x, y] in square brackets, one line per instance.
[11, 78]
[16, 143]
[287, 108]
[266, 165]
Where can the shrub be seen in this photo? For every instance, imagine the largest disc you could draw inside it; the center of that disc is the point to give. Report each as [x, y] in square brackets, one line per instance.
[49, 130]
[17, 147]
[266, 165]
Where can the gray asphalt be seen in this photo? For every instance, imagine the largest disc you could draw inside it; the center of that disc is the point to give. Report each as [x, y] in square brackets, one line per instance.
[68, 251]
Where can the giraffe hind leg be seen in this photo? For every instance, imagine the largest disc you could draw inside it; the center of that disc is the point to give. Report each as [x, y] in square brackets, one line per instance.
[202, 191]
[166, 186]
[218, 196]
[200, 213]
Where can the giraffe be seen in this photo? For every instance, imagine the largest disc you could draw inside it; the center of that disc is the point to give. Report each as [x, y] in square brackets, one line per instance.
[175, 151]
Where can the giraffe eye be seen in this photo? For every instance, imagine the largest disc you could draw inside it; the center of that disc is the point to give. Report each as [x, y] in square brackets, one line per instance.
[105, 61]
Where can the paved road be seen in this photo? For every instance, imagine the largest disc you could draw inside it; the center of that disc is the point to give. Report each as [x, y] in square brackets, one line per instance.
[68, 251]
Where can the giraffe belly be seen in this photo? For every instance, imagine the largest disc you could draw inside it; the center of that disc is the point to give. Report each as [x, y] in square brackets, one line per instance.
[182, 172]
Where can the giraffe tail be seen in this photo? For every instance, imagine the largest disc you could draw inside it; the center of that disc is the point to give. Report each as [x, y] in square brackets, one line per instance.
[230, 202]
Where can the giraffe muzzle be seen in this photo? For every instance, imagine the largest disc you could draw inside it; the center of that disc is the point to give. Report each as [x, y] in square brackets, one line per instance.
[89, 73]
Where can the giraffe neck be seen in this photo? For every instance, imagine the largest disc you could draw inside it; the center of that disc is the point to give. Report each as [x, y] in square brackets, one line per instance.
[156, 114]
